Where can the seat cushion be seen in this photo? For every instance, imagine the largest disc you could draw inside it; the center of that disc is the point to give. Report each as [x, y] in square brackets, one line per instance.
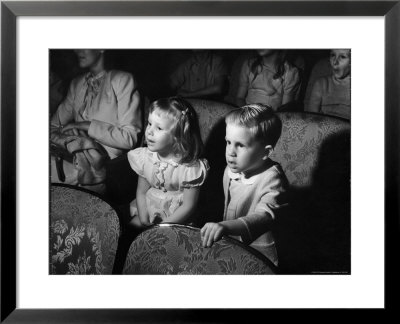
[84, 232]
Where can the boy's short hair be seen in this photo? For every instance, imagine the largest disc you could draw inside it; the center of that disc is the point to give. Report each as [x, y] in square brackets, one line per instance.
[260, 120]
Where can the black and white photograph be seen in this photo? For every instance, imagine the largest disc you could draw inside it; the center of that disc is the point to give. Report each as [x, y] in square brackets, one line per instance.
[197, 161]
[200, 161]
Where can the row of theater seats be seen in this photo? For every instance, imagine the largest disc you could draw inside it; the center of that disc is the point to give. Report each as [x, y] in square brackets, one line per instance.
[313, 235]
[84, 233]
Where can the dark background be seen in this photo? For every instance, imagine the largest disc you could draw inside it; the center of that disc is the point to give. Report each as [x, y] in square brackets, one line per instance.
[151, 68]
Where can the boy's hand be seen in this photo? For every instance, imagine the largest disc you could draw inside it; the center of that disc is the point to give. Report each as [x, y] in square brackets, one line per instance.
[210, 233]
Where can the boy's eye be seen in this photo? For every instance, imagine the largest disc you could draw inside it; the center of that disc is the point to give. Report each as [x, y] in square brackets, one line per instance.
[158, 128]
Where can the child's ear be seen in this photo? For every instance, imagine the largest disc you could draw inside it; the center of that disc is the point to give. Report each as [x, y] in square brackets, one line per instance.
[268, 149]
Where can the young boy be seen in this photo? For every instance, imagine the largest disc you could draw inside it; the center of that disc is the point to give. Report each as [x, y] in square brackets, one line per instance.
[255, 187]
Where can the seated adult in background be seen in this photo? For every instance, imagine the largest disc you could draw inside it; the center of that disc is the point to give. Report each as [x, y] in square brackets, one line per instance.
[202, 75]
[268, 79]
[319, 69]
[99, 119]
[330, 95]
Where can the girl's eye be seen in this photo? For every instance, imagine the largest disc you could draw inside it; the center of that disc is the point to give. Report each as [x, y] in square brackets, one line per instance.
[158, 128]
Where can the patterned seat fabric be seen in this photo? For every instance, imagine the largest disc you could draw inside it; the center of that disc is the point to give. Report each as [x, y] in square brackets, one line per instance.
[301, 143]
[314, 151]
[84, 232]
[177, 249]
[210, 114]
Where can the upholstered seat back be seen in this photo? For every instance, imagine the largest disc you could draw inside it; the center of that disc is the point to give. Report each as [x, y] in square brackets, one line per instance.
[84, 232]
[210, 114]
[177, 249]
[305, 137]
[314, 151]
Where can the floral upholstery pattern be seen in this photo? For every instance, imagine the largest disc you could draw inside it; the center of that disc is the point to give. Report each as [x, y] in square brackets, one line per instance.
[210, 113]
[303, 135]
[84, 232]
[177, 249]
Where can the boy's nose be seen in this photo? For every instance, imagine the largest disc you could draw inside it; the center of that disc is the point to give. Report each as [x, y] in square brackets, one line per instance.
[230, 151]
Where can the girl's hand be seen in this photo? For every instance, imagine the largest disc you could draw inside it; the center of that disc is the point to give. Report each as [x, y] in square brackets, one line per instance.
[211, 232]
[144, 220]
[137, 223]
[84, 125]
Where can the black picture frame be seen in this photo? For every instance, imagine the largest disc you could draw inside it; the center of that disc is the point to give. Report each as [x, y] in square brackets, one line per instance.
[10, 10]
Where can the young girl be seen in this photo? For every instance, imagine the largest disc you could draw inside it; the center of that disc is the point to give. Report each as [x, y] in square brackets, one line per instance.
[268, 79]
[331, 94]
[169, 168]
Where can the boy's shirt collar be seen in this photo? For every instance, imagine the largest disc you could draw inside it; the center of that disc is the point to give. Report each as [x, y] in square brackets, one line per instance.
[249, 181]
[240, 177]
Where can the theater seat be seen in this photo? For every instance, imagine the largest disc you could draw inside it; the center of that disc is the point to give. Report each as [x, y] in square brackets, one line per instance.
[314, 151]
[84, 231]
[177, 249]
[299, 147]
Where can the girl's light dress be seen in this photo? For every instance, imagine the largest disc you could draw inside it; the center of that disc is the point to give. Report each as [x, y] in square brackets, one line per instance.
[168, 179]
